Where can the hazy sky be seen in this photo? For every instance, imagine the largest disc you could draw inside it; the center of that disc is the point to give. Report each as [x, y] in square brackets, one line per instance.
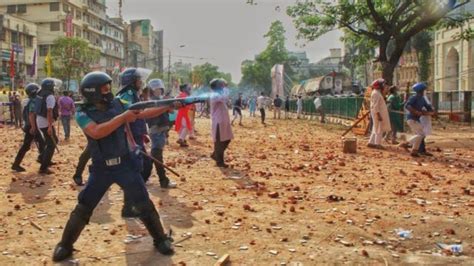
[224, 31]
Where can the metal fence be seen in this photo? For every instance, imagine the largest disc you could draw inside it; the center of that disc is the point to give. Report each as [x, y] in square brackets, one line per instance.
[343, 107]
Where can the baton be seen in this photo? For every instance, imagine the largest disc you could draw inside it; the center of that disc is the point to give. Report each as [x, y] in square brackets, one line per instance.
[134, 144]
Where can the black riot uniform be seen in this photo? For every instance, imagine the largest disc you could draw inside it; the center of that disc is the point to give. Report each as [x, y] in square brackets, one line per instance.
[112, 162]
[30, 135]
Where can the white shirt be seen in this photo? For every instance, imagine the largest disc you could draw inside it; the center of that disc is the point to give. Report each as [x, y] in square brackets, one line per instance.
[261, 102]
[317, 103]
[42, 122]
[299, 103]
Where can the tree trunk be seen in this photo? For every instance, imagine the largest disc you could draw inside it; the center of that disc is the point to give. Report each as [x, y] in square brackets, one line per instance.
[387, 71]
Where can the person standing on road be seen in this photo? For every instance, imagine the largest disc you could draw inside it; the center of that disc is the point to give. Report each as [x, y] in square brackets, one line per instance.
[221, 128]
[46, 111]
[277, 103]
[261, 106]
[158, 128]
[299, 107]
[395, 106]
[102, 119]
[183, 124]
[252, 106]
[379, 113]
[17, 110]
[417, 106]
[66, 110]
[319, 107]
[30, 130]
[287, 107]
[237, 110]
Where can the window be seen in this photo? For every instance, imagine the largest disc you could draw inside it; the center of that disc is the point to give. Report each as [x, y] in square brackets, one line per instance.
[54, 6]
[54, 26]
[29, 41]
[14, 37]
[65, 8]
[43, 50]
[21, 8]
[11, 9]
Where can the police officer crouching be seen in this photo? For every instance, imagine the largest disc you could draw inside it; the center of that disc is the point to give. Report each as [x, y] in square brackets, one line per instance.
[31, 132]
[102, 118]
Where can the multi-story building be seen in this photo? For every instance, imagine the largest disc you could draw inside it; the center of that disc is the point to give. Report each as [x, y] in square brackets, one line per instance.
[19, 36]
[151, 42]
[85, 19]
[454, 61]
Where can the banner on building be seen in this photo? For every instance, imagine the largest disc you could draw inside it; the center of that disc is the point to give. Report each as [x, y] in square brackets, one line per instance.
[277, 80]
[145, 24]
[69, 29]
[12, 63]
[48, 65]
[33, 65]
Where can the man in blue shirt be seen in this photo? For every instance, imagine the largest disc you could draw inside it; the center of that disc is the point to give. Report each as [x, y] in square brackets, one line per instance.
[415, 106]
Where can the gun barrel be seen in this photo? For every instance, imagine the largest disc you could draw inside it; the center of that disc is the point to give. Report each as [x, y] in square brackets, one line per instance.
[166, 102]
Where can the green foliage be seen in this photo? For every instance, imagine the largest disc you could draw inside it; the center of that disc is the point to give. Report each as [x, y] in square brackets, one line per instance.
[257, 74]
[72, 58]
[421, 43]
[386, 24]
[203, 74]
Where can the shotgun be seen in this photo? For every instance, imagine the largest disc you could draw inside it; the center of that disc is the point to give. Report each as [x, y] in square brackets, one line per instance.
[167, 102]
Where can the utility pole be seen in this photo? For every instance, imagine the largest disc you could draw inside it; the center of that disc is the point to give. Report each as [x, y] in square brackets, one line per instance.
[169, 69]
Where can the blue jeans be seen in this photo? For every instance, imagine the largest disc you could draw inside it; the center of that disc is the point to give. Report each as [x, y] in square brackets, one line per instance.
[66, 121]
[126, 175]
[158, 140]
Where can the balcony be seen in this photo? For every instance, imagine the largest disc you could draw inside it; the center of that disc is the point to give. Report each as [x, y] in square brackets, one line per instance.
[112, 52]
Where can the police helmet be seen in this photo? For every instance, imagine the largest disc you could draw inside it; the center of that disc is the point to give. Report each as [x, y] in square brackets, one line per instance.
[31, 89]
[128, 77]
[48, 84]
[91, 84]
[419, 87]
[155, 84]
[378, 83]
[216, 83]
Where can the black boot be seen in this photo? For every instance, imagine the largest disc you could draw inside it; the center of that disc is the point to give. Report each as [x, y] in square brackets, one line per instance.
[151, 220]
[18, 168]
[76, 223]
[78, 179]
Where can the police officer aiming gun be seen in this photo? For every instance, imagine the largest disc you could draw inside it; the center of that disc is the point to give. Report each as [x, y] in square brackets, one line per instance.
[103, 119]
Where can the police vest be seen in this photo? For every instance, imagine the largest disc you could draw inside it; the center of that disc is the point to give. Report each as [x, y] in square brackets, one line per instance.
[115, 144]
[139, 126]
[41, 106]
[160, 121]
[26, 112]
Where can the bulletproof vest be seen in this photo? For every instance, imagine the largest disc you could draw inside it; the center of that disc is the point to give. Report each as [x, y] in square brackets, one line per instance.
[139, 126]
[40, 104]
[115, 144]
[26, 112]
[161, 120]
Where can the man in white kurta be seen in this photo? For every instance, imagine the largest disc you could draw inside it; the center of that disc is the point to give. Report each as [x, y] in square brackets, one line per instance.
[221, 128]
[379, 113]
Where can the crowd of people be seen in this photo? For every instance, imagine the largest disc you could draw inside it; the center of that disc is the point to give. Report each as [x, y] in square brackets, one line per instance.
[117, 135]
[387, 116]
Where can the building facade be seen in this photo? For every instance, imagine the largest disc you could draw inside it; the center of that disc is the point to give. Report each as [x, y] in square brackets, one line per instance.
[84, 19]
[20, 36]
[151, 42]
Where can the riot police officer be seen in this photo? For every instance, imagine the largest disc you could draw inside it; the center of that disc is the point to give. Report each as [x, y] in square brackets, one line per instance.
[102, 119]
[46, 111]
[158, 130]
[132, 81]
[31, 132]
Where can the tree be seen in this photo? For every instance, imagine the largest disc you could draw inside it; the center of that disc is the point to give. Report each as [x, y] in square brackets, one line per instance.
[384, 22]
[203, 74]
[423, 53]
[72, 57]
[257, 74]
